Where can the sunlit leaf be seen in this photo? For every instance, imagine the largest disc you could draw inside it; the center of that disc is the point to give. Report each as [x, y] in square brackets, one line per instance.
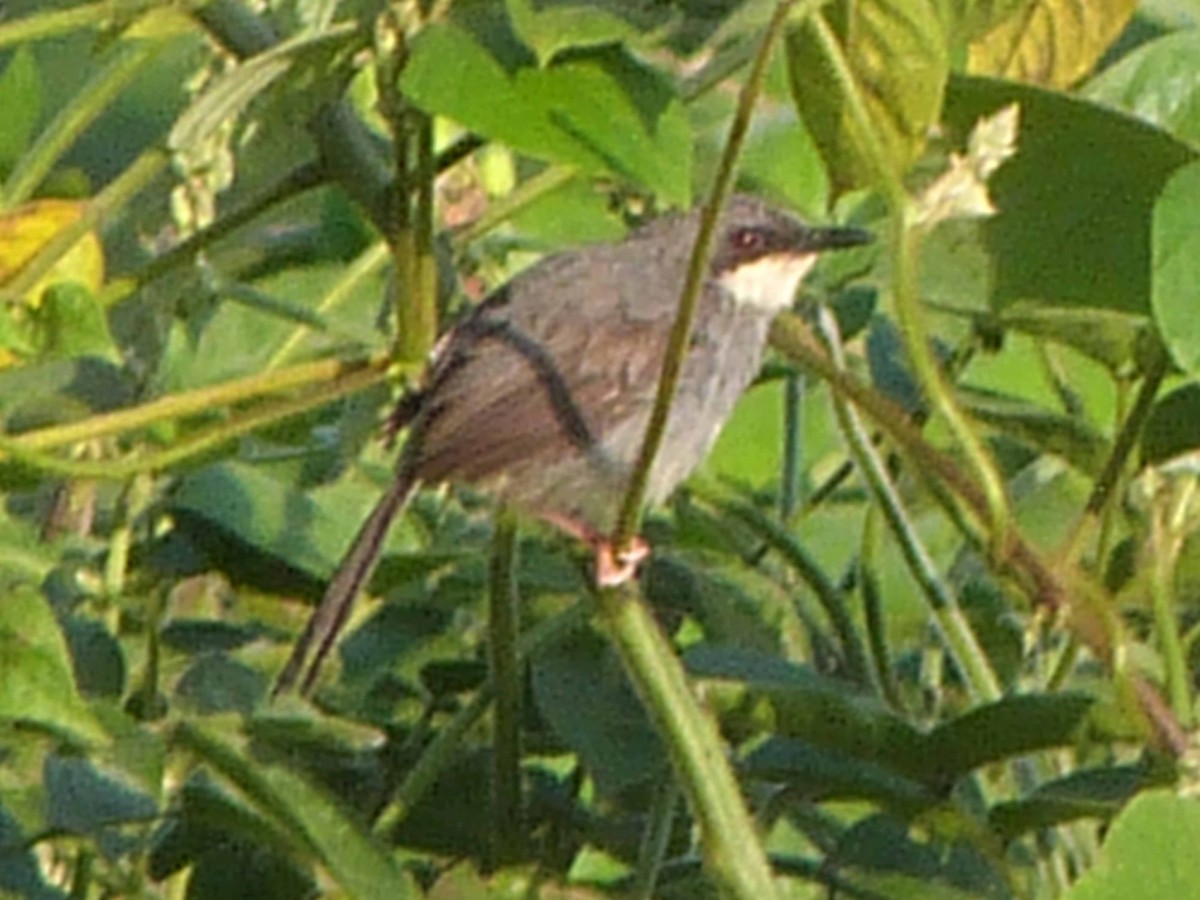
[549, 28]
[1175, 273]
[600, 110]
[894, 60]
[36, 682]
[1150, 851]
[1053, 43]
[21, 100]
[1158, 82]
[26, 230]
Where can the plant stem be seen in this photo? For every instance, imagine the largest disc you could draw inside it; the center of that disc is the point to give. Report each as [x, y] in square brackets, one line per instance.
[505, 668]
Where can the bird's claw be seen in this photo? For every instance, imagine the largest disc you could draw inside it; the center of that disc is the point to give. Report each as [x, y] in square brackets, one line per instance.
[616, 567]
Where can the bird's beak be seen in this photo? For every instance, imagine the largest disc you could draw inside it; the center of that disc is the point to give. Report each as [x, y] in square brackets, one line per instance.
[816, 240]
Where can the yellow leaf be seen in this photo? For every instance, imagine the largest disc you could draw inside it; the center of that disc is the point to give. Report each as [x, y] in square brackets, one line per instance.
[1052, 43]
[27, 229]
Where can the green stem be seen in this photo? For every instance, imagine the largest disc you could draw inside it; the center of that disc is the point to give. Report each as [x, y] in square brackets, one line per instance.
[733, 853]
[87, 15]
[905, 245]
[201, 400]
[628, 522]
[793, 445]
[957, 636]
[503, 632]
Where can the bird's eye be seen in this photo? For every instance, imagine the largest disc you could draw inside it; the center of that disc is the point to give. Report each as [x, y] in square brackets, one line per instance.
[748, 239]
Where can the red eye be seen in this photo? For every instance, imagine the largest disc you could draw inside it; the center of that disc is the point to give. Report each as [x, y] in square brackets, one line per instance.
[748, 239]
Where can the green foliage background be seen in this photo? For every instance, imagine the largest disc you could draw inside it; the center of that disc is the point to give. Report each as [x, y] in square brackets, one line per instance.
[937, 586]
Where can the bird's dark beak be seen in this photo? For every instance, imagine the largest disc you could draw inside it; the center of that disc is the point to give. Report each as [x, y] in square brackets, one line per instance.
[816, 240]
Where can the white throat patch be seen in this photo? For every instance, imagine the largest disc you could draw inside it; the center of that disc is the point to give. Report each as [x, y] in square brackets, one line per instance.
[768, 283]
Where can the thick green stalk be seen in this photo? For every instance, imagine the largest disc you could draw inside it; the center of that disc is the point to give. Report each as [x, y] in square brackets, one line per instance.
[504, 628]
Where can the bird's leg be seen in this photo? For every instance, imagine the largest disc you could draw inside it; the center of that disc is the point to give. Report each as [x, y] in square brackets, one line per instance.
[613, 567]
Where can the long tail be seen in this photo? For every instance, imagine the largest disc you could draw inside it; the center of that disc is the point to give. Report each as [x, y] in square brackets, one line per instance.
[352, 576]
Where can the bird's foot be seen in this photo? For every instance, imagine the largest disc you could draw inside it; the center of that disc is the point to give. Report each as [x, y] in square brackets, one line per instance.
[615, 567]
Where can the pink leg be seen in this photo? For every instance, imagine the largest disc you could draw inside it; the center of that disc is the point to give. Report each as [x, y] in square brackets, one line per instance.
[612, 568]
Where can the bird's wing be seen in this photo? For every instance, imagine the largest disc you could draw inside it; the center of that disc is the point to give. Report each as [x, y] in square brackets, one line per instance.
[542, 373]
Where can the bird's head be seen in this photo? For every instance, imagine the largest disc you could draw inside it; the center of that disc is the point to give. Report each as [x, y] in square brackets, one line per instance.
[761, 254]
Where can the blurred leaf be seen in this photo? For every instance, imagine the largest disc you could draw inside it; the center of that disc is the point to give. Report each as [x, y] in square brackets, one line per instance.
[996, 731]
[21, 100]
[817, 775]
[25, 230]
[600, 110]
[894, 53]
[891, 370]
[1110, 337]
[584, 694]
[1073, 227]
[214, 683]
[208, 635]
[362, 867]
[20, 873]
[1150, 851]
[793, 701]
[1158, 82]
[97, 657]
[83, 800]
[1054, 43]
[71, 322]
[882, 858]
[1070, 437]
[550, 27]
[308, 530]
[1173, 426]
[1091, 793]
[1175, 277]
[36, 682]
[572, 215]
[970, 19]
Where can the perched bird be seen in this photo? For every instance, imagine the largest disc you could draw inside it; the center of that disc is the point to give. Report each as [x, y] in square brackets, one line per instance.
[541, 395]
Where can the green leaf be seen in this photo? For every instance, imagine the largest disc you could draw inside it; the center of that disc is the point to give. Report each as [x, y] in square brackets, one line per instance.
[1114, 339]
[20, 873]
[584, 694]
[600, 110]
[36, 684]
[895, 59]
[1175, 285]
[1150, 851]
[81, 799]
[1173, 426]
[816, 775]
[21, 100]
[997, 731]
[308, 530]
[1093, 793]
[1054, 43]
[970, 19]
[73, 323]
[1158, 82]
[216, 683]
[310, 819]
[550, 27]
[792, 701]
[1072, 438]
[1074, 235]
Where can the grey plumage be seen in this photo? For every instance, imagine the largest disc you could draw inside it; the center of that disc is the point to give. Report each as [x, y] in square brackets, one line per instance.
[542, 395]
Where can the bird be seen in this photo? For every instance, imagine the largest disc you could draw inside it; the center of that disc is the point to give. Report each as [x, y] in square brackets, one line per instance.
[540, 396]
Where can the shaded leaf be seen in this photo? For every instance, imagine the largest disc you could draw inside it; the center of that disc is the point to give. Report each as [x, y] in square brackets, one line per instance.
[1081, 238]
[215, 683]
[584, 694]
[996, 731]
[81, 799]
[309, 818]
[1173, 426]
[816, 775]
[896, 57]
[1052, 43]
[1175, 276]
[1072, 438]
[1092, 793]
[1110, 337]
[19, 870]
